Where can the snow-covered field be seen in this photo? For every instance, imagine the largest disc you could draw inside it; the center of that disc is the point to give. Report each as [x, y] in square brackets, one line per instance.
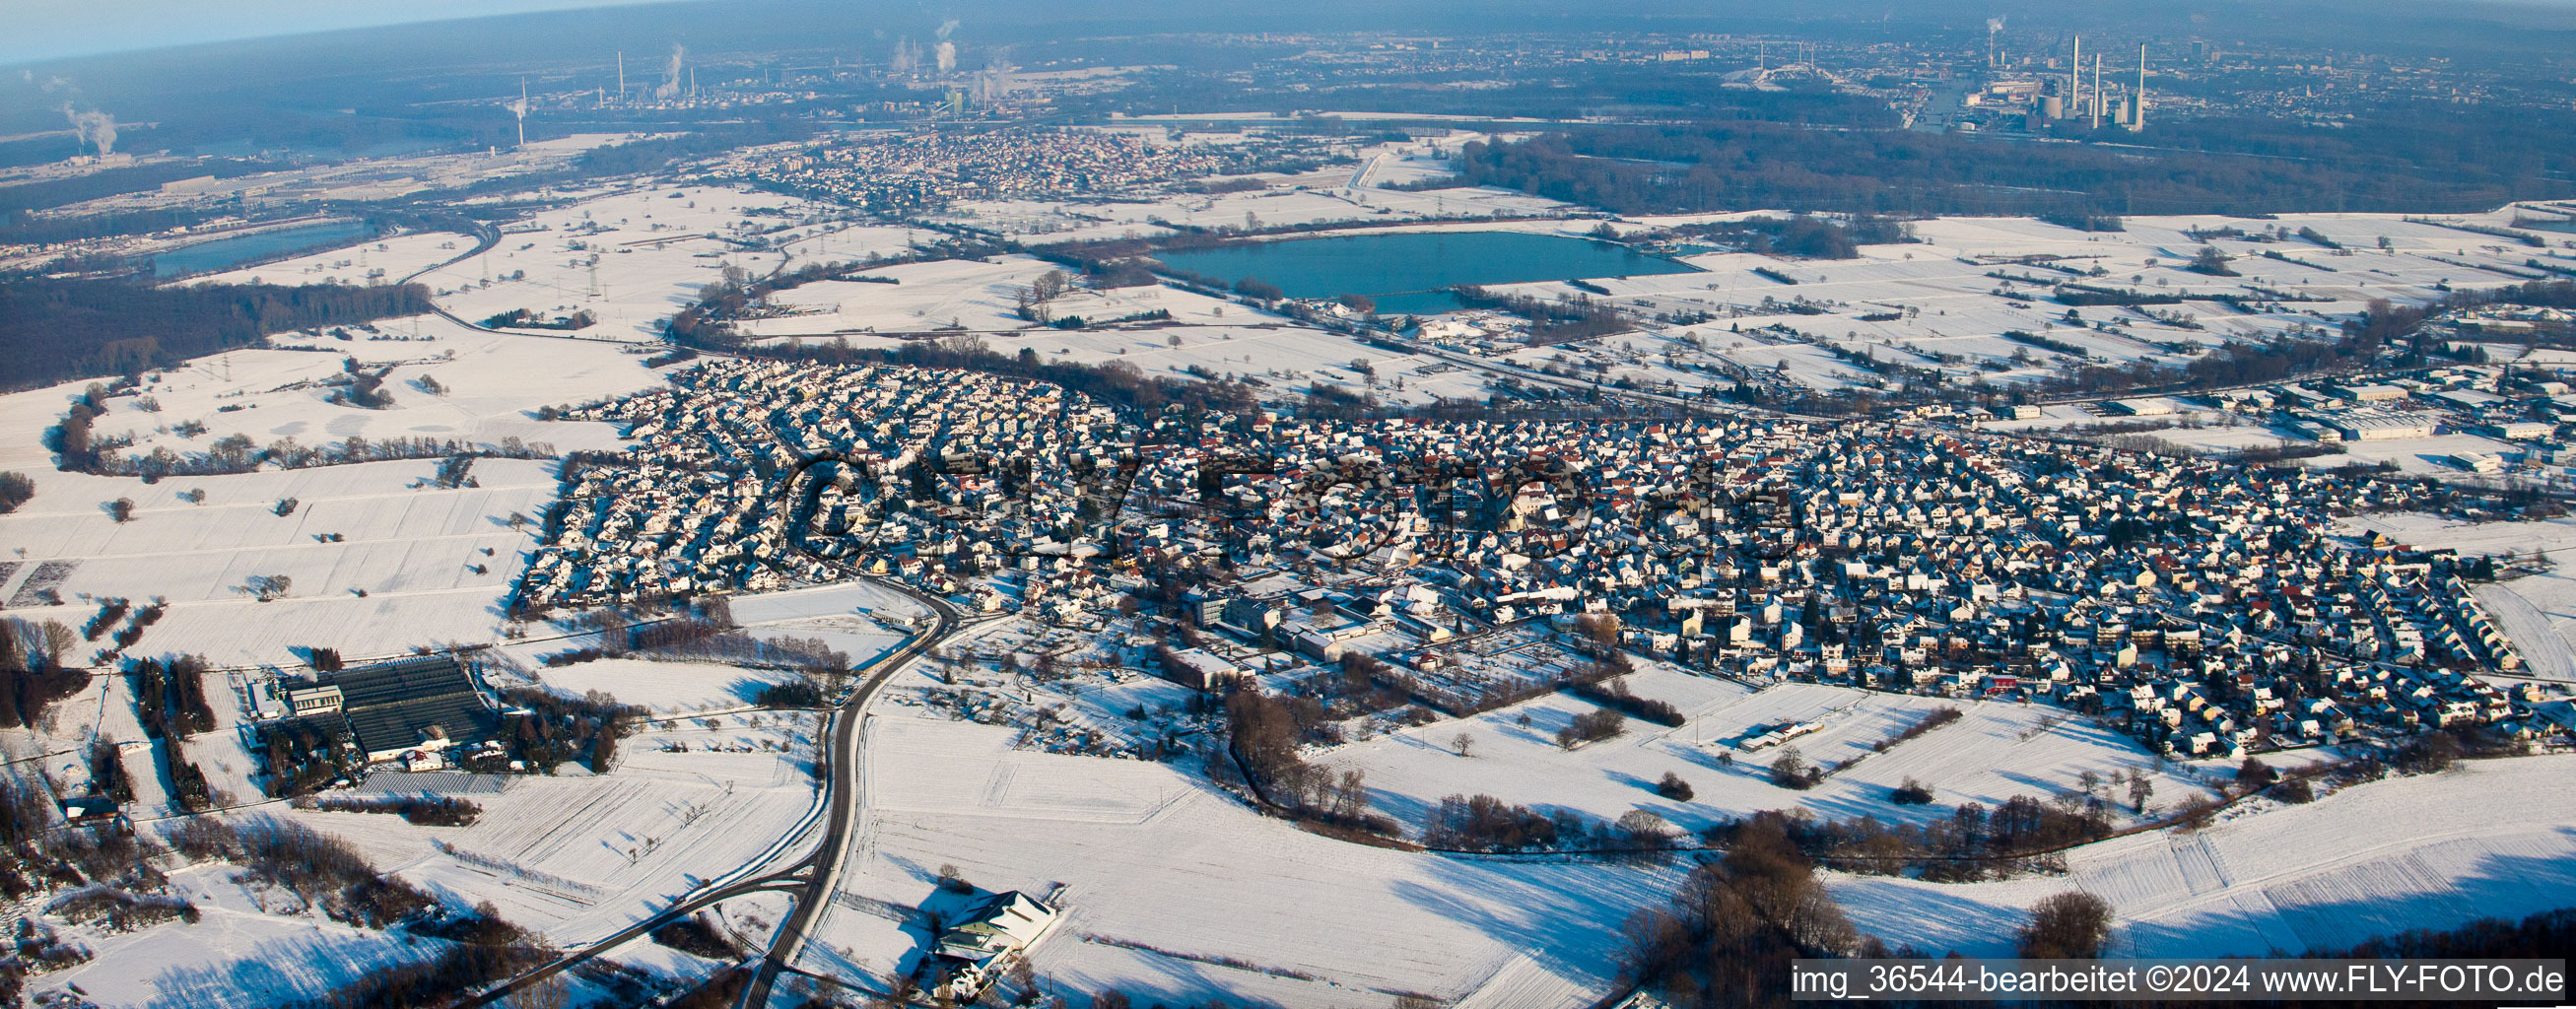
[653, 248]
[1996, 751]
[2491, 839]
[1164, 876]
[235, 957]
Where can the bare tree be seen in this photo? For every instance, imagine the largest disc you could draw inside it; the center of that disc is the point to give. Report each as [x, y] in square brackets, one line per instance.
[1462, 742]
[58, 638]
[2073, 925]
[549, 992]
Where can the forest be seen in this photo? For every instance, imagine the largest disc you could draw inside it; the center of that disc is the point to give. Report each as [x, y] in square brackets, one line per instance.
[53, 330]
[2411, 159]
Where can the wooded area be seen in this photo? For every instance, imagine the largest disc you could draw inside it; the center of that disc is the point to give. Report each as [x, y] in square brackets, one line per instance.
[2411, 160]
[53, 330]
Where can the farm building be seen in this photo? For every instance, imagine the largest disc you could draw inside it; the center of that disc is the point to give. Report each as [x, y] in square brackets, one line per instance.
[416, 703]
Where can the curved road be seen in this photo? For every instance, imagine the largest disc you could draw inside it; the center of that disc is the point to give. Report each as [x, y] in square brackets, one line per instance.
[810, 879]
[825, 864]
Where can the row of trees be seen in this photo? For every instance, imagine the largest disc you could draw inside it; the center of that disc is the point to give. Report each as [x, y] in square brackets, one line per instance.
[171, 698]
[78, 451]
[1263, 732]
[1973, 842]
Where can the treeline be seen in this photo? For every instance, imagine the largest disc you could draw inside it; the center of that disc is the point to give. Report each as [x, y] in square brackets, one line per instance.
[425, 810]
[323, 870]
[1613, 693]
[661, 152]
[32, 673]
[1972, 843]
[79, 449]
[171, 698]
[1551, 322]
[1263, 732]
[17, 199]
[2239, 166]
[21, 227]
[1483, 823]
[52, 330]
[1810, 237]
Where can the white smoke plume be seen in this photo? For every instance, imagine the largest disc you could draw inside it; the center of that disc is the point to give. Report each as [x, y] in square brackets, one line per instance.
[671, 74]
[996, 81]
[906, 56]
[1994, 24]
[93, 127]
[947, 28]
[947, 56]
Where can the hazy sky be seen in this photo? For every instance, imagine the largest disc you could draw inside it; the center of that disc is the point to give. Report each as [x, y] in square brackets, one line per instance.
[50, 29]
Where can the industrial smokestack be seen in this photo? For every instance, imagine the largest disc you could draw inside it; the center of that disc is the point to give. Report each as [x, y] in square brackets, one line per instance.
[2138, 102]
[1993, 25]
[2097, 90]
[2075, 77]
[520, 109]
[621, 75]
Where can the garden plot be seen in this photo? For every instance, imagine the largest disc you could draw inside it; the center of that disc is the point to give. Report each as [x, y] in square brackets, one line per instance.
[2494, 839]
[1154, 903]
[1995, 751]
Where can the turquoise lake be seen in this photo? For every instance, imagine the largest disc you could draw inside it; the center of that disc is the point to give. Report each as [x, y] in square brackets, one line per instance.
[223, 253]
[1409, 273]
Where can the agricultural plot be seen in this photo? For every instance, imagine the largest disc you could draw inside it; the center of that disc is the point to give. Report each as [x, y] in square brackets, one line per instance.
[384, 260]
[1998, 751]
[654, 248]
[1178, 892]
[370, 528]
[2423, 852]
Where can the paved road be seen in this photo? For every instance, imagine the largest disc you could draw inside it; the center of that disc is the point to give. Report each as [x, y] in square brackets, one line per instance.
[809, 880]
[824, 867]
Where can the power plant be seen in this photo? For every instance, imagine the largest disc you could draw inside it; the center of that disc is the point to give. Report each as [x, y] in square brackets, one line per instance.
[2043, 99]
